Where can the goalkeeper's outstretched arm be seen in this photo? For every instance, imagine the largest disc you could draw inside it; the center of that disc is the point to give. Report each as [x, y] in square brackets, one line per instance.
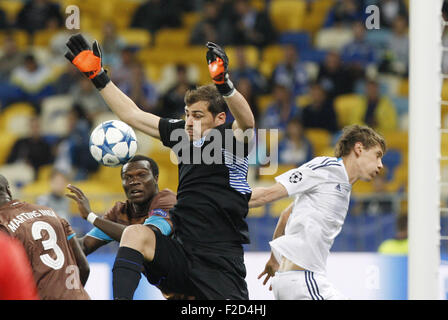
[88, 60]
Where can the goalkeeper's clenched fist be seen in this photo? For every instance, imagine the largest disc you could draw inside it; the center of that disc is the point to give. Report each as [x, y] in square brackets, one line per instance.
[217, 66]
[87, 60]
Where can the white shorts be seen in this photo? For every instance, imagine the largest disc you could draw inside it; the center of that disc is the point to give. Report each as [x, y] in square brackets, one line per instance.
[303, 285]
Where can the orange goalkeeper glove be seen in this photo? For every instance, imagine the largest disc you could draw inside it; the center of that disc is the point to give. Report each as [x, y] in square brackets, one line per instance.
[87, 60]
[218, 63]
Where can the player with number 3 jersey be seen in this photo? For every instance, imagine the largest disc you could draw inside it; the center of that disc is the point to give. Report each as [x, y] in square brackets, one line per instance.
[59, 266]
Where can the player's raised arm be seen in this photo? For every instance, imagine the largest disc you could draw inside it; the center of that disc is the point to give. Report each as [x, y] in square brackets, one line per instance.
[88, 61]
[218, 62]
[263, 195]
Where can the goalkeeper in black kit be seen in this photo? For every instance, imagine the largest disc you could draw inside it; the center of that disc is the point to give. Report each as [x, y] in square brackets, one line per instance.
[204, 258]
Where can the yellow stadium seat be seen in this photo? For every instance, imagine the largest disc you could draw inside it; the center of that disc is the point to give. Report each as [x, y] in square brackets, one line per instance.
[303, 100]
[15, 118]
[152, 71]
[314, 19]
[172, 38]
[403, 88]
[11, 8]
[362, 187]
[397, 140]
[42, 38]
[320, 139]
[20, 37]
[287, 15]
[136, 37]
[8, 140]
[251, 55]
[282, 168]
[264, 101]
[189, 19]
[346, 107]
[279, 206]
[256, 212]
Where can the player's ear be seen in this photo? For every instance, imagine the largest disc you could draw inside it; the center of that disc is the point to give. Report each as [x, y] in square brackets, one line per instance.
[220, 118]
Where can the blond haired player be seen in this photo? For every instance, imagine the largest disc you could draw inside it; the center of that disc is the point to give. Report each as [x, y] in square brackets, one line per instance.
[307, 228]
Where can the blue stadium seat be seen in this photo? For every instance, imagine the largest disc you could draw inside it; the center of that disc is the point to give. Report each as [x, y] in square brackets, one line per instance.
[301, 40]
[401, 105]
[317, 56]
[391, 161]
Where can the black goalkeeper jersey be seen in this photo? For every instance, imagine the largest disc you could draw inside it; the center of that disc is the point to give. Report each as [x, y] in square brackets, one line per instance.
[213, 193]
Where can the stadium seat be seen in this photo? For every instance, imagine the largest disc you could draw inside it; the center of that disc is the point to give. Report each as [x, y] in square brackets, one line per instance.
[251, 54]
[19, 175]
[140, 38]
[15, 118]
[345, 107]
[189, 19]
[401, 105]
[314, 19]
[287, 15]
[172, 38]
[20, 37]
[11, 8]
[301, 40]
[397, 140]
[8, 140]
[279, 206]
[333, 38]
[391, 160]
[42, 38]
[320, 140]
[54, 115]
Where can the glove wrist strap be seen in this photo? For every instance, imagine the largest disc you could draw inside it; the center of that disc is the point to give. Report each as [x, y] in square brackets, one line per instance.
[101, 80]
[226, 89]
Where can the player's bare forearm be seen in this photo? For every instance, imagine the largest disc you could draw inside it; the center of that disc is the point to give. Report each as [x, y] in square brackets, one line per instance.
[281, 224]
[81, 260]
[112, 229]
[264, 195]
[241, 111]
[129, 112]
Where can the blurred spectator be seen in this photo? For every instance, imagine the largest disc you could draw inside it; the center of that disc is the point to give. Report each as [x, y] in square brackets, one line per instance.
[87, 97]
[396, 59]
[359, 53]
[122, 72]
[319, 113]
[73, 154]
[111, 45]
[33, 150]
[344, 13]
[241, 69]
[390, 10]
[4, 22]
[212, 27]
[154, 15]
[378, 111]
[33, 81]
[291, 72]
[56, 198]
[140, 89]
[399, 244]
[250, 26]
[334, 76]
[36, 14]
[244, 86]
[295, 148]
[282, 110]
[11, 57]
[172, 104]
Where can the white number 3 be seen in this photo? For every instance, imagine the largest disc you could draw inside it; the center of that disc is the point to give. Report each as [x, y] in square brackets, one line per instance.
[36, 231]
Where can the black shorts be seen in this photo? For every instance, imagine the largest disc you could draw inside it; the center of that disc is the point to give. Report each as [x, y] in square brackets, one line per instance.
[196, 271]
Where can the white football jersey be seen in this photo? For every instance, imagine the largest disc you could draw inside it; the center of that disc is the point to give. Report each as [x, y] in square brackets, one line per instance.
[322, 193]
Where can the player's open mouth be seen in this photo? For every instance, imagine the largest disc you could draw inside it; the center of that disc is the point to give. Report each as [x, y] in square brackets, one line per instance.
[136, 192]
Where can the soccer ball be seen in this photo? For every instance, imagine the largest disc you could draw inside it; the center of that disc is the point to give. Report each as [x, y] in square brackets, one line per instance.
[113, 143]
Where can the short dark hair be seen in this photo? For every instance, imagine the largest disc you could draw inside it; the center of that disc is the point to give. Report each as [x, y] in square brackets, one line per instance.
[356, 133]
[153, 164]
[210, 94]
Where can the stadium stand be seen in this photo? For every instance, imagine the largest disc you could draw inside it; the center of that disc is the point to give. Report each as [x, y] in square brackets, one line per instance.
[297, 22]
